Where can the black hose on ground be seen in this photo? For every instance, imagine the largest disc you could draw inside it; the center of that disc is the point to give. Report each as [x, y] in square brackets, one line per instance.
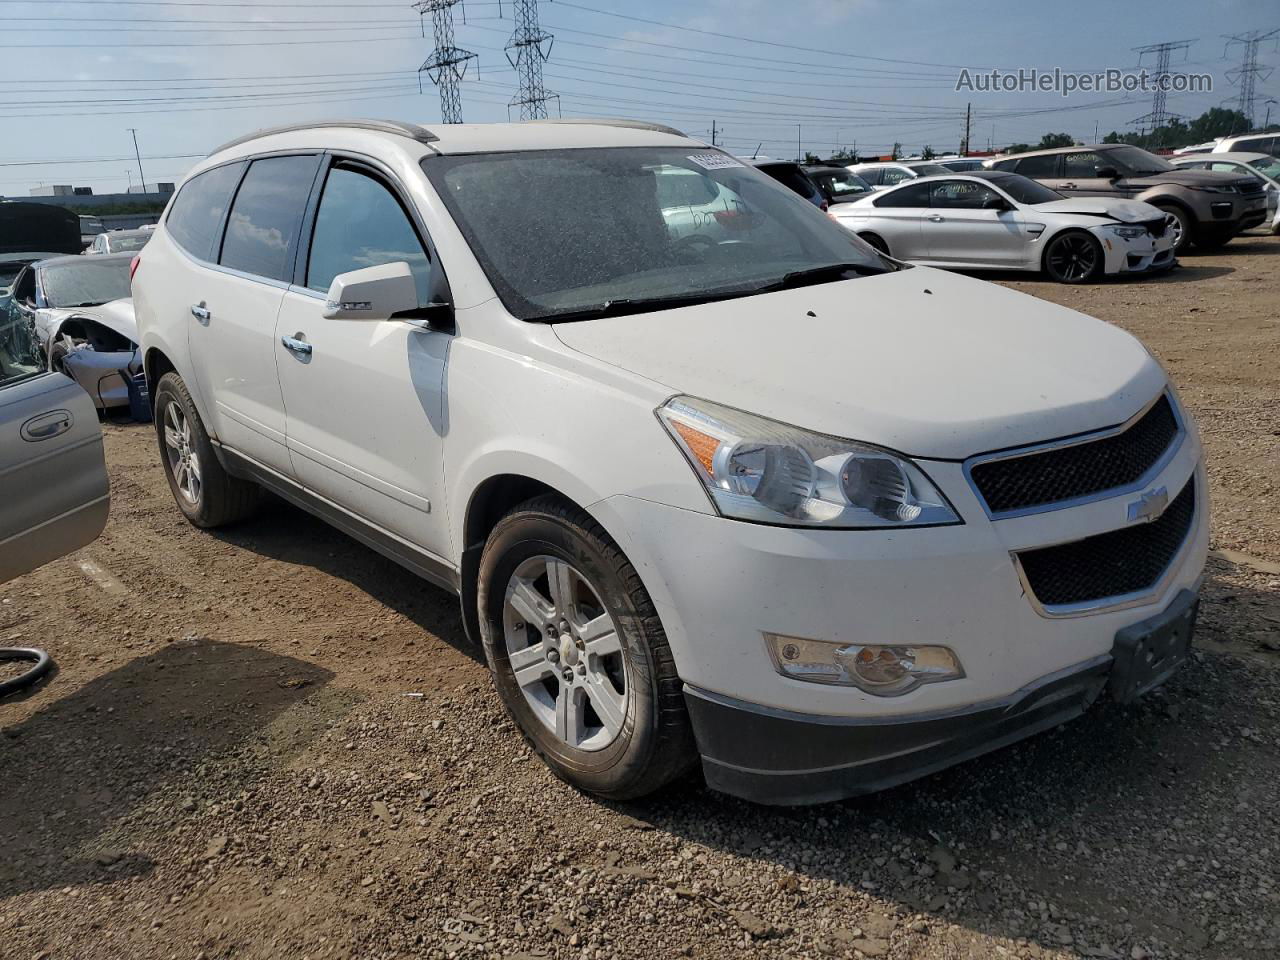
[23, 680]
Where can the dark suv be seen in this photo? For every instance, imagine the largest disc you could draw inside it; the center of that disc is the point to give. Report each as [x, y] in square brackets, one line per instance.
[1208, 208]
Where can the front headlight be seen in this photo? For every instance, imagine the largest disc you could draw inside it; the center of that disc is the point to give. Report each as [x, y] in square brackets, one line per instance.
[1226, 189]
[1129, 233]
[761, 470]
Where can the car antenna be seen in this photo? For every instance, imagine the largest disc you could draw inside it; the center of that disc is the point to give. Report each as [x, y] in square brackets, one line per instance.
[757, 153]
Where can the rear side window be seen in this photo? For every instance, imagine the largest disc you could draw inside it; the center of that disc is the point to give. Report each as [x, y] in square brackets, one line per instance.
[361, 224]
[892, 175]
[262, 231]
[1043, 166]
[1006, 165]
[914, 195]
[197, 211]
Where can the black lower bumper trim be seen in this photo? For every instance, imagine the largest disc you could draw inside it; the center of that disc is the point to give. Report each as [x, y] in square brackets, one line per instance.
[777, 757]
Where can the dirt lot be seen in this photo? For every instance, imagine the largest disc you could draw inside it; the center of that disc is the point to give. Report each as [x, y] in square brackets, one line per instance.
[270, 742]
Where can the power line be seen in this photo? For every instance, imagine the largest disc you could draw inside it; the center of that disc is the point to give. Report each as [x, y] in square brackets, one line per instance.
[532, 46]
[1248, 73]
[1163, 51]
[448, 61]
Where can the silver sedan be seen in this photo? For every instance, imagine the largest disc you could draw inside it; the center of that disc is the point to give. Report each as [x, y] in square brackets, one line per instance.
[993, 220]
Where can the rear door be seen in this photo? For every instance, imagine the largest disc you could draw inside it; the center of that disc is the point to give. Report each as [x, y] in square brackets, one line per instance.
[1047, 168]
[54, 495]
[234, 306]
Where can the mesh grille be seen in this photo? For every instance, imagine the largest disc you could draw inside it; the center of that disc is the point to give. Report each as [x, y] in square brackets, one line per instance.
[1079, 470]
[1110, 564]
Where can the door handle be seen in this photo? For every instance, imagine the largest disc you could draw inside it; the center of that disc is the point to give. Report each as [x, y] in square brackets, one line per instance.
[1066, 186]
[47, 426]
[200, 312]
[936, 219]
[295, 345]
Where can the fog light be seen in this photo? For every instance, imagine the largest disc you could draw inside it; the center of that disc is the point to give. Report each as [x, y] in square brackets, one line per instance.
[880, 669]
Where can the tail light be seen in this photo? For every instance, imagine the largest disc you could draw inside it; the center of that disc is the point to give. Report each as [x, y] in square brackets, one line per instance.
[133, 265]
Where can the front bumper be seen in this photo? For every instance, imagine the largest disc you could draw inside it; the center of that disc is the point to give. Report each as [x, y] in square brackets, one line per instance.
[779, 757]
[1136, 255]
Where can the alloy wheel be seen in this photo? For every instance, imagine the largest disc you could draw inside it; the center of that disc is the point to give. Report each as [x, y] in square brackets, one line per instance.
[184, 462]
[566, 653]
[1073, 257]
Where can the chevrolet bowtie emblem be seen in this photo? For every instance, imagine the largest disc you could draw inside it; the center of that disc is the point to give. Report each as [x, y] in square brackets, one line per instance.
[1150, 505]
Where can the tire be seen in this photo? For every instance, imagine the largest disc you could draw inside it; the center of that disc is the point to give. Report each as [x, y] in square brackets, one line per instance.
[217, 498]
[1074, 257]
[876, 241]
[636, 685]
[57, 354]
[1184, 229]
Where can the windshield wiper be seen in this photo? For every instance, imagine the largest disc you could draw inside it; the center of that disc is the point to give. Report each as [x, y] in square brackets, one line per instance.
[824, 274]
[86, 303]
[625, 305]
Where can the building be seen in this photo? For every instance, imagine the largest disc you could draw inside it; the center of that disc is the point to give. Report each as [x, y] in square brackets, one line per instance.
[159, 188]
[65, 190]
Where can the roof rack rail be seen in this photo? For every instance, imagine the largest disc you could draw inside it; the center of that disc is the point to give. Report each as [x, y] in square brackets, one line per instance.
[411, 130]
[615, 122]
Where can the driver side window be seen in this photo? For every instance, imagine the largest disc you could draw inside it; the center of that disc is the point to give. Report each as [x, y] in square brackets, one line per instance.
[961, 195]
[1084, 164]
[24, 290]
[359, 224]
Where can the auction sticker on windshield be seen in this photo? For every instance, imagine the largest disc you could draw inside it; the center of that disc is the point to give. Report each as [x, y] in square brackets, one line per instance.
[714, 161]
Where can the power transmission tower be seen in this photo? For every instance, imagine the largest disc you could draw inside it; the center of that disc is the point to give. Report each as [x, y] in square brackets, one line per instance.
[447, 62]
[526, 53]
[1159, 116]
[1248, 72]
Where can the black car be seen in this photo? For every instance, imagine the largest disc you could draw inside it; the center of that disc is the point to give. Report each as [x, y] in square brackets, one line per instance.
[837, 184]
[792, 176]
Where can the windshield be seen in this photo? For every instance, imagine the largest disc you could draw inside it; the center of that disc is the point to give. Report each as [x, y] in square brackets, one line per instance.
[837, 185]
[127, 242]
[930, 170]
[1026, 190]
[563, 232]
[1135, 161]
[1267, 166]
[94, 281]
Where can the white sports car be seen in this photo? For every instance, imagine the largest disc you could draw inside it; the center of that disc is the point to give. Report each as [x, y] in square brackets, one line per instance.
[992, 220]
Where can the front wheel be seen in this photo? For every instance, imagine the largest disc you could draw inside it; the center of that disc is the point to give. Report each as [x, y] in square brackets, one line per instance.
[206, 494]
[578, 654]
[1182, 226]
[1073, 257]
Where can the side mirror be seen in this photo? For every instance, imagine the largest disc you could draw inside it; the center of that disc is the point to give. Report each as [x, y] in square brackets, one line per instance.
[1108, 173]
[373, 293]
[996, 203]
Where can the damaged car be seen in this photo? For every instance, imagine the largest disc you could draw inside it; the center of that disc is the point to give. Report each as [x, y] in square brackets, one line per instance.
[82, 316]
[1003, 221]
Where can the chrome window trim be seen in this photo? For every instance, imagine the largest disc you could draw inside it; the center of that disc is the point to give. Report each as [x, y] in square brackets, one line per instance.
[1121, 601]
[1073, 441]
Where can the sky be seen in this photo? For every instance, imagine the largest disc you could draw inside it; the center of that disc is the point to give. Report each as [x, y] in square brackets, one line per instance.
[191, 74]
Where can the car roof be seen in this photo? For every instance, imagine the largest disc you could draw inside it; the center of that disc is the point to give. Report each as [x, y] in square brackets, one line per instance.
[827, 168]
[1240, 156]
[1072, 149]
[463, 138]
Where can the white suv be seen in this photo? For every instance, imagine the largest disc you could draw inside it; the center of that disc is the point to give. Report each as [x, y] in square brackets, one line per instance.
[484, 352]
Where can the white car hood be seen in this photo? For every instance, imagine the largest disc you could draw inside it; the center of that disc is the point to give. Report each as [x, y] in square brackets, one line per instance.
[116, 315]
[925, 362]
[1126, 211]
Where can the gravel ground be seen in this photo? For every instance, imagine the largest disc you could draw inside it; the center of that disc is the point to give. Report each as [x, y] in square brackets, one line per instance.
[270, 742]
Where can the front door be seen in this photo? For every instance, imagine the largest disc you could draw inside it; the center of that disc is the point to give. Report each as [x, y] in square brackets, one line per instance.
[967, 223]
[234, 307]
[53, 478]
[365, 398]
[1080, 176]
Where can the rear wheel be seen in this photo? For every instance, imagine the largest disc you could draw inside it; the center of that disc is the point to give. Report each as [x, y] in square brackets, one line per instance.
[206, 494]
[876, 241]
[578, 654]
[1073, 257]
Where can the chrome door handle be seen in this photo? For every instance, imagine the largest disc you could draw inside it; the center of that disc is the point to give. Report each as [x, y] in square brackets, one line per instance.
[294, 345]
[200, 312]
[1066, 186]
[936, 219]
